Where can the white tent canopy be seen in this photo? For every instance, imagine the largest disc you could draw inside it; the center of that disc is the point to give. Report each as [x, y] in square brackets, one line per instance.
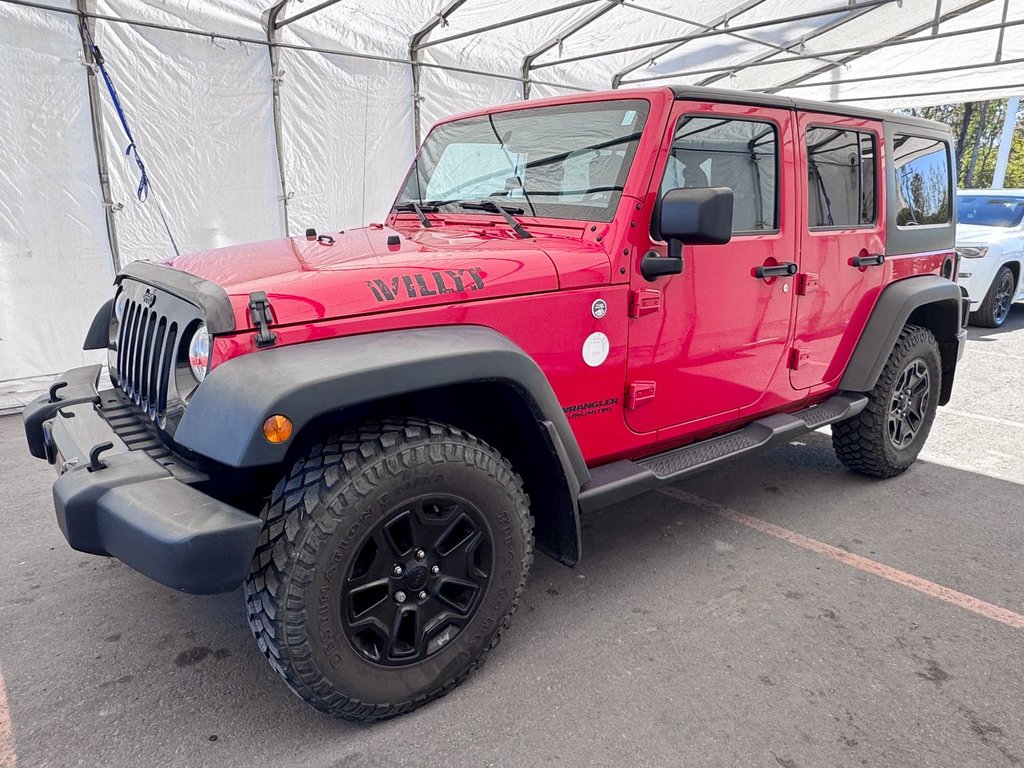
[257, 121]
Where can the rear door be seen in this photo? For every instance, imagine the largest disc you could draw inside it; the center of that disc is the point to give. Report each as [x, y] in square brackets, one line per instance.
[707, 342]
[842, 238]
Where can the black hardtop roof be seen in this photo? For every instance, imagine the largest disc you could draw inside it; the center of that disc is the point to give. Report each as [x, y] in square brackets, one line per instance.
[698, 93]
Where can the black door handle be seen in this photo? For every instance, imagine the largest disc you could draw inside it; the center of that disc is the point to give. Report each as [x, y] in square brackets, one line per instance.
[785, 269]
[874, 260]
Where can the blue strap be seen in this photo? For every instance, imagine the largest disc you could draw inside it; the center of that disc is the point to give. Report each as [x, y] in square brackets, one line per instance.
[142, 192]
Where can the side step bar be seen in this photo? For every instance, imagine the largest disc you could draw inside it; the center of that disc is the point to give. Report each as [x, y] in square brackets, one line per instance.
[620, 480]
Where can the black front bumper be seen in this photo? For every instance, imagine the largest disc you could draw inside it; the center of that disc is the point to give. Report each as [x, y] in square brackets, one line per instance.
[115, 501]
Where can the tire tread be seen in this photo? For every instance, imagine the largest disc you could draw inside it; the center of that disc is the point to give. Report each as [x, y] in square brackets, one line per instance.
[297, 523]
[858, 441]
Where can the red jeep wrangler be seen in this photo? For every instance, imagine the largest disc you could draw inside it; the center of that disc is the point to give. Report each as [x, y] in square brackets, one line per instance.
[573, 301]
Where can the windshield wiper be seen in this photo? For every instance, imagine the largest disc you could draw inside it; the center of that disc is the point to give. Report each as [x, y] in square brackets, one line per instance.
[506, 211]
[418, 210]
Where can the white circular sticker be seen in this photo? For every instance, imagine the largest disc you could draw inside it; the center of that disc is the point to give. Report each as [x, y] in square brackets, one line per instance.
[595, 349]
[599, 308]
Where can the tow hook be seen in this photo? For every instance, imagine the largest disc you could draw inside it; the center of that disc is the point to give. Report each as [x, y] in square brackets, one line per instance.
[260, 315]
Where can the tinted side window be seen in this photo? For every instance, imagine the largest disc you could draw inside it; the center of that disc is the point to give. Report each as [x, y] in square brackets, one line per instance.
[841, 178]
[922, 180]
[739, 154]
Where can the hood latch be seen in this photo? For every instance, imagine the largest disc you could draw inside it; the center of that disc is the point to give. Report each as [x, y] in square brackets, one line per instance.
[260, 316]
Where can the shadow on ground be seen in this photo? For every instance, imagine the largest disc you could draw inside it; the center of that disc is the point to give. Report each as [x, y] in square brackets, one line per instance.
[683, 638]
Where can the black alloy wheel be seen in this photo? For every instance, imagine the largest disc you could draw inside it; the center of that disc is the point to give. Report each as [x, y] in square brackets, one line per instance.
[909, 404]
[416, 580]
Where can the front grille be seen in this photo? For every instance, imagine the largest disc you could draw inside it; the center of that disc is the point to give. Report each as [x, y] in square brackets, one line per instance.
[146, 355]
[147, 361]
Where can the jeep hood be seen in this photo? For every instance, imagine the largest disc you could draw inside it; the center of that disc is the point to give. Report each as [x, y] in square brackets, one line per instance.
[379, 269]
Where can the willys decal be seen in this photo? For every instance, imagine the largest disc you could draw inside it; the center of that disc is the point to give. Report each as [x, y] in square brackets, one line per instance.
[424, 284]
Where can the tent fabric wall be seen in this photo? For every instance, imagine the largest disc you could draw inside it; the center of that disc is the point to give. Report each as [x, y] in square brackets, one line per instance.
[200, 111]
[55, 265]
[201, 107]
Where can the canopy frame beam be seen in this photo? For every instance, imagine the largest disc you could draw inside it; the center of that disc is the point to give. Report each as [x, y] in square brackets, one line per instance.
[916, 73]
[560, 37]
[863, 51]
[822, 30]
[724, 19]
[300, 15]
[509, 22]
[738, 35]
[832, 10]
[886, 42]
[439, 19]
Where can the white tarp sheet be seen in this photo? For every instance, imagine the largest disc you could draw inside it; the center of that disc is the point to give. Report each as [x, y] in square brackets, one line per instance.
[201, 108]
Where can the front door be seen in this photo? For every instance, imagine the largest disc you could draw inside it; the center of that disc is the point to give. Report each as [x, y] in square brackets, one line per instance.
[719, 333]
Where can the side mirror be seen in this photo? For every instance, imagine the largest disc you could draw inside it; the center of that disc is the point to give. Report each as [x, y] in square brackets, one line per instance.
[699, 216]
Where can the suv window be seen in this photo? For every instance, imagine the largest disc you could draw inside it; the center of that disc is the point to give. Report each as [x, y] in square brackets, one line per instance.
[841, 178]
[990, 210]
[723, 152]
[922, 180]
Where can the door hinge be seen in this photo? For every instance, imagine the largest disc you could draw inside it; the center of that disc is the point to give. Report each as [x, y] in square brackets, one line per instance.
[806, 283]
[798, 357]
[261, 317]
[644, 301]
[639, 392]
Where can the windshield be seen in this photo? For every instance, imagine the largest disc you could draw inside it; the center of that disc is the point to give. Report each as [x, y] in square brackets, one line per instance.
[990, 210]
[568, 161]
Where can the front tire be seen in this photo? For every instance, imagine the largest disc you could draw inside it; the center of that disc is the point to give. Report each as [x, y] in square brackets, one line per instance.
[390, 562]
[996, 307]
[885, 438]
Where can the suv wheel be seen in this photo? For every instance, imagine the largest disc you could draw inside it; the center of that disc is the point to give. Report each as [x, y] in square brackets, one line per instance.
[885, 438]
[996, 307]
[390, 562]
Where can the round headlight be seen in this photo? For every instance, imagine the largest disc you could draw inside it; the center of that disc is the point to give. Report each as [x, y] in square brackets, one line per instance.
[199, 352]
[119, 304]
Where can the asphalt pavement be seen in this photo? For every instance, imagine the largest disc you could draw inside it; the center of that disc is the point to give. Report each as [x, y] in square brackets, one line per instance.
[703, 628]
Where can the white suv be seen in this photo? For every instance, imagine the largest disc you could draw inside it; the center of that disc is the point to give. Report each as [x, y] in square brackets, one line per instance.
[990, 241]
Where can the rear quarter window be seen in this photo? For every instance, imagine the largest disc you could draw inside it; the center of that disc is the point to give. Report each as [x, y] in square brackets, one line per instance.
[923, 182]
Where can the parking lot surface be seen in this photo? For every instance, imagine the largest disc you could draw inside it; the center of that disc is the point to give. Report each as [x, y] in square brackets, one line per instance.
[691, 634]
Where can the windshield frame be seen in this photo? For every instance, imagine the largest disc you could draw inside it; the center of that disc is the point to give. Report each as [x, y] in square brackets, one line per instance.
[987, 197]
[569, 212]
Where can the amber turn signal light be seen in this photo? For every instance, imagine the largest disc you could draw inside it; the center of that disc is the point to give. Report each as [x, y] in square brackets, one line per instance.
[277, 428]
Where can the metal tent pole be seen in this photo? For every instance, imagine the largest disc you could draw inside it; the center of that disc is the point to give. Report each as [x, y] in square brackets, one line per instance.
[561, 37]
[275, 80]
[96, 115]
[415, 42]
[1005, 142]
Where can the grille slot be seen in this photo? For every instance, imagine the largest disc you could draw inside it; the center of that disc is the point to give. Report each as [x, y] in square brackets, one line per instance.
[146, 357]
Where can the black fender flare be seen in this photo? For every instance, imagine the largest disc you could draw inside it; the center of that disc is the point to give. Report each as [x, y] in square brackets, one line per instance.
[928, 300]
[224, 419]
[98, 336]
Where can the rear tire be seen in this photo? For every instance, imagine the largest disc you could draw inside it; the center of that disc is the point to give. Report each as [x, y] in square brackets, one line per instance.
[996, 307]
[390, 562]
[885, 438]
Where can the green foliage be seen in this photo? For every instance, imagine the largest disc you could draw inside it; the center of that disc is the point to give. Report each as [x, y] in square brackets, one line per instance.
[976, 127]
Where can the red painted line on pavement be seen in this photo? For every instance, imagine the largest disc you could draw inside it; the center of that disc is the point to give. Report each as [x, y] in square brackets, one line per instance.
[909, 580]
[7, 756]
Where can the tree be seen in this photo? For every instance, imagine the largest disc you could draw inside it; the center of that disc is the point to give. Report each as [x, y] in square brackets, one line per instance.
[976, 128]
